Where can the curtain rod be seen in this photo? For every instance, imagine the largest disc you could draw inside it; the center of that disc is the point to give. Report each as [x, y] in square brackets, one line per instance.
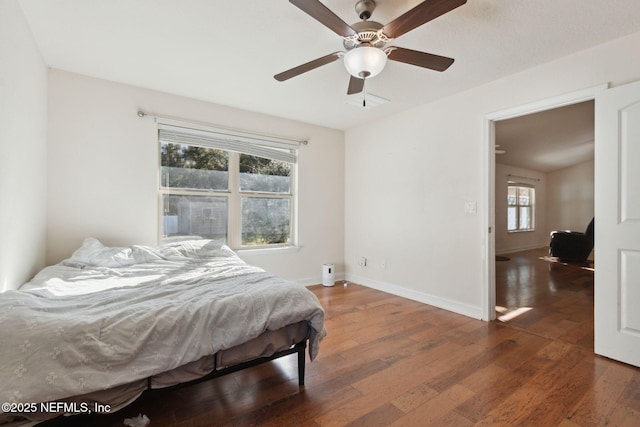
[522, 177]
[143, 114]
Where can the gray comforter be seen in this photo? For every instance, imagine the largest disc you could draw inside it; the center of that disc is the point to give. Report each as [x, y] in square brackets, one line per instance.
[109, 316]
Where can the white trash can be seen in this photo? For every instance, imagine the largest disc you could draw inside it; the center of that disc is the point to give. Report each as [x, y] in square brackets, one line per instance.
[328, 275]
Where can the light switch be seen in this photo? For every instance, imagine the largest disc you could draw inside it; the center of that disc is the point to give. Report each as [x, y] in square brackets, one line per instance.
[470, 207]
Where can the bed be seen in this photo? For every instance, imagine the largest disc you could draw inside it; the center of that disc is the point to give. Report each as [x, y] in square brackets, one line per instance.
[101, 327]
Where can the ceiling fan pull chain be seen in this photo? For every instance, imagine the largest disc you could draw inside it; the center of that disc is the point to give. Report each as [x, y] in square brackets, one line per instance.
[364, 92]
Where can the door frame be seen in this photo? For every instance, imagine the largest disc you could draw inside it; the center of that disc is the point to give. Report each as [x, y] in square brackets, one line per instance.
[488, 180]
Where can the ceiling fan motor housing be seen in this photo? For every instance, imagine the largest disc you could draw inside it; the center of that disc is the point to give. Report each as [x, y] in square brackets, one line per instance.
[364, 8]
[368, 32]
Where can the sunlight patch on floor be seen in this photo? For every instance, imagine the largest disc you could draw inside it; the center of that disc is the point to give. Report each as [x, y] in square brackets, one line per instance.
[509, 314]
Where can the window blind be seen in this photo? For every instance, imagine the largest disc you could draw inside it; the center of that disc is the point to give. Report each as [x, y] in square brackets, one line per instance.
[519, 184]
[240, 142]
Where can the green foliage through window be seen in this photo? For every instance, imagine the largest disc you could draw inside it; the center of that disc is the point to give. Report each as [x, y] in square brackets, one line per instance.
[197, 198]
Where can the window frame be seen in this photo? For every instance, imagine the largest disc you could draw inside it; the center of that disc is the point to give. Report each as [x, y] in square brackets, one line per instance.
[234, 194]
[531, 207]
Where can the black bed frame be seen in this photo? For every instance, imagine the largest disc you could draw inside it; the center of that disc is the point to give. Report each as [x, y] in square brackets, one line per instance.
[218, 372]
[298, 348]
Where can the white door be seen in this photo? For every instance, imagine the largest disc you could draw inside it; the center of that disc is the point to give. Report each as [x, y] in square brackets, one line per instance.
[617, 224]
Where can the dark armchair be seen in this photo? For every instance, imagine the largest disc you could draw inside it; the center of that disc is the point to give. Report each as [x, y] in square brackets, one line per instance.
[572, 245]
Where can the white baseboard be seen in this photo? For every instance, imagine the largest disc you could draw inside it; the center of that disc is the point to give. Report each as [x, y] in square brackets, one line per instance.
[520, 249]
[444, 303]
[316, 280]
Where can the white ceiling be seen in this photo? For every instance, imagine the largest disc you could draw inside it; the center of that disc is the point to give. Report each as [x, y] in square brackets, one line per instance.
[548, 140]
[227, 52]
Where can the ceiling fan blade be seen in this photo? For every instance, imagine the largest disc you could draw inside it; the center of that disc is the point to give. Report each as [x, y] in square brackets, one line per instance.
[295, 71]
[422, 13]
[421, 59]
[322, 14]
[355, 85]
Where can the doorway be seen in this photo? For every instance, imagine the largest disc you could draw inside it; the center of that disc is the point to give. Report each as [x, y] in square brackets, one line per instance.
[489, 181]
[544, 182]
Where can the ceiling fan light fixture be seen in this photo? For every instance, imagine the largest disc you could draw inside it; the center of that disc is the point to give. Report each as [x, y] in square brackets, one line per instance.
[365, 61]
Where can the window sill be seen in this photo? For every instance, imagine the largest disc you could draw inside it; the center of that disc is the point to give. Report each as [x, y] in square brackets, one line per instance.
[520, 231]
[268, 251]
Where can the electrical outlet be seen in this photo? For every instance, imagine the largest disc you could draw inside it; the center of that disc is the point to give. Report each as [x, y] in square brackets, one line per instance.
[362, 262]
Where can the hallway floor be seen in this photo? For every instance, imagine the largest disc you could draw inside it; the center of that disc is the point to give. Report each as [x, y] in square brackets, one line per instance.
[550, 299]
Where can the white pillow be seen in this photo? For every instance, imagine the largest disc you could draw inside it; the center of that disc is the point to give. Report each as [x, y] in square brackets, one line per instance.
[94, 253]
[196, 249]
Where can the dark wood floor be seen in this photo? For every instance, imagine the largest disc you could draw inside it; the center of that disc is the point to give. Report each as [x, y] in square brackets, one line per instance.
[550, 299]
[392, 361]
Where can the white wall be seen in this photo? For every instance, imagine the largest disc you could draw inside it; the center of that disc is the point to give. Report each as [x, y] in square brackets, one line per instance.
[513, 242]
[571, 197]
[415, 221]
[23, 123]
[103, 168]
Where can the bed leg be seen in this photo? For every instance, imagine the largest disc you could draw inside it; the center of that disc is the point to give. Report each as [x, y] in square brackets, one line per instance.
[301, 366]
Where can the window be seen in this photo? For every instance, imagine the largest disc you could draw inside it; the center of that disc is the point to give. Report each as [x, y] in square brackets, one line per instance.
[230, 187]
[520, 207]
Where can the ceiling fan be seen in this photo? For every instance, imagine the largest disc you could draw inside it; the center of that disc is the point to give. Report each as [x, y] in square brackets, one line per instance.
[364, 41]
